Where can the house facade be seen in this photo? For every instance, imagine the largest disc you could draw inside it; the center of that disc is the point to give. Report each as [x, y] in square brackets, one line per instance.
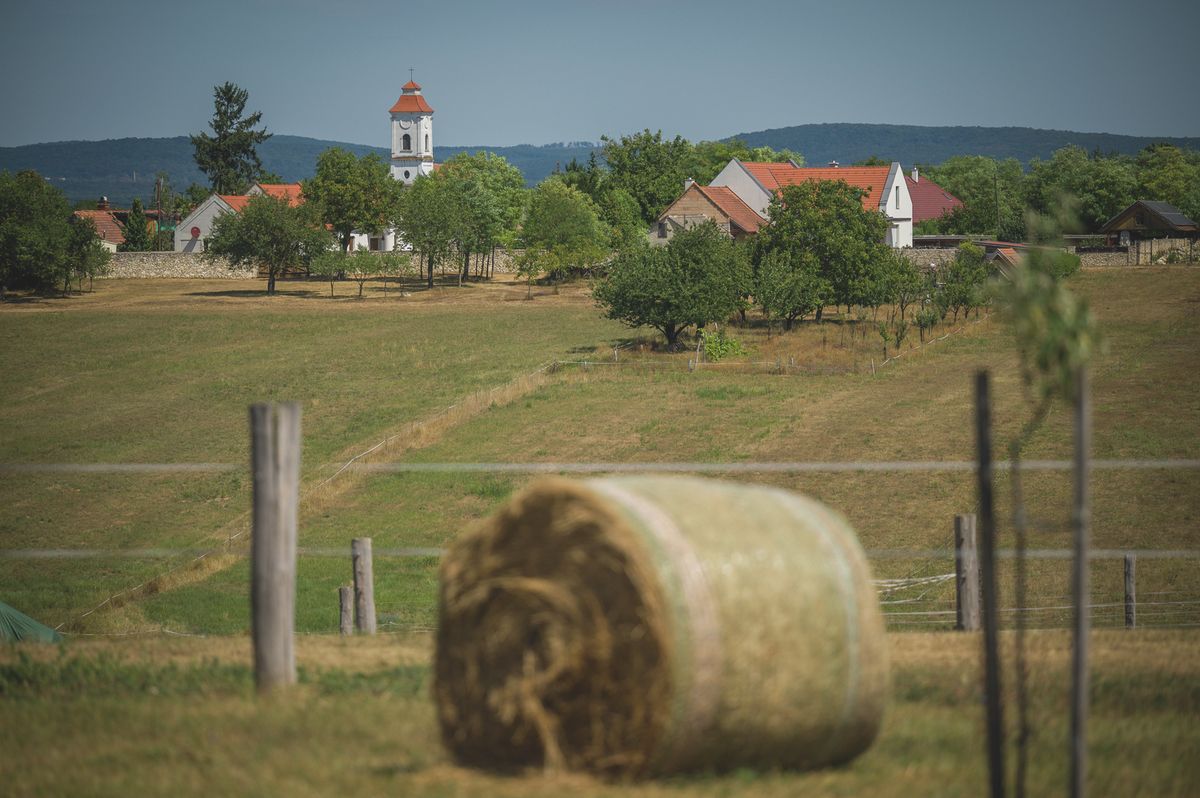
[698, 204]
[885, 189]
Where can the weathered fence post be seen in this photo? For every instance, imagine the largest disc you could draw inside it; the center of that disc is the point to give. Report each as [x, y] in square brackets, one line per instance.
[1130, 591]
[987, 563]
[364, 585]
[1082, 523]
[275, 463]
[691, 365]
[345, 610]
[966, 574]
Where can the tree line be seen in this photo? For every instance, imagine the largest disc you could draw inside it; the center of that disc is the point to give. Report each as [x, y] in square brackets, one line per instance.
[1093, 187]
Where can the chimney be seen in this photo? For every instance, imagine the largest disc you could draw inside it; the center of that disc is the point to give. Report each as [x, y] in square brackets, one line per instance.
[102, 205]
[834, 164]
[687, 183]
[916, 179]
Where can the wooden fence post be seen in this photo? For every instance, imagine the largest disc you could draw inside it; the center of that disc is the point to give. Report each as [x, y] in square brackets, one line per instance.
[275, 463]
[1130, 591]
[364, 585]
[346, 610]
[966, 574]
[1082, 524]
[987, 563]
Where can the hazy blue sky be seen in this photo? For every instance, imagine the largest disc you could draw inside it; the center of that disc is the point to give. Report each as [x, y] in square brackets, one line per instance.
[535, 72]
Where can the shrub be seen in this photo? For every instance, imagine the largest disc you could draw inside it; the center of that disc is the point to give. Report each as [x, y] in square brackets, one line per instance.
[718, 345]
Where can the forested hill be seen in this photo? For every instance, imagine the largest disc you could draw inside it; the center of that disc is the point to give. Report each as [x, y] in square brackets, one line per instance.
[124, 168]
[909, 144]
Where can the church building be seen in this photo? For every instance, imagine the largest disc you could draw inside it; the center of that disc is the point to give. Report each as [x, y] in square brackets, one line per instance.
[412, 135]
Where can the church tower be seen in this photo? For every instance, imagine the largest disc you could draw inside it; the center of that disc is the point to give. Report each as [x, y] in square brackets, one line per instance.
[412, 135]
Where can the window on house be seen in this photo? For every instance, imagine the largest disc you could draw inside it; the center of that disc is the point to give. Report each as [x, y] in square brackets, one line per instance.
[897, 197]
[406, 142]
[662, 229]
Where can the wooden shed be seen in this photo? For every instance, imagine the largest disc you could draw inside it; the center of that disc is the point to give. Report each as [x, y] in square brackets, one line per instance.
[1147, 224]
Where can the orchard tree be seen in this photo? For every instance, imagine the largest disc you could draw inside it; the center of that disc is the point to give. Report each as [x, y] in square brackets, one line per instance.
[825, 221]
[963, 280]
[563, 229]
[229, 156]
[427, 218]
[352, 193]
[700, 276]
[789, 285]
[271, 233]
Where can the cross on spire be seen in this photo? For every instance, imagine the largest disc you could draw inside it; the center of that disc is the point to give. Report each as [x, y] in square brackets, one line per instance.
[410, 74]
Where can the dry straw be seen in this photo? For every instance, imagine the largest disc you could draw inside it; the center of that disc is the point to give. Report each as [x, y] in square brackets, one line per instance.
[634, 626]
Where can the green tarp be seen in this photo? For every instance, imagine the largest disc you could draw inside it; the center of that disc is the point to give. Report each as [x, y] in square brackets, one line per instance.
[16, 626]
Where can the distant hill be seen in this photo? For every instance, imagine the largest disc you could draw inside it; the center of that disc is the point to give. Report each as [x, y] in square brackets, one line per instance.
[124, 168]
[909, 144]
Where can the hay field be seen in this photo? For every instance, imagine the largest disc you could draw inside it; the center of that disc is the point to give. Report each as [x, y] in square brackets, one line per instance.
[162, 371]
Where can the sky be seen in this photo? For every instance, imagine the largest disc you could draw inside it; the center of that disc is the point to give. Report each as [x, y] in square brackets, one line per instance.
[536, 72]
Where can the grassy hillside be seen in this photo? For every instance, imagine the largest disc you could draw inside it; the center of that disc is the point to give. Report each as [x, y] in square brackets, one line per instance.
[389, 366]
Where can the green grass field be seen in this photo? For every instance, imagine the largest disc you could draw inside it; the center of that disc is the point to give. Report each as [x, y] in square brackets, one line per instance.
[163, 371]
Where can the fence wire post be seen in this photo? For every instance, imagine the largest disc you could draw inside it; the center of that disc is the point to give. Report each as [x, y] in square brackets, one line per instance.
[987, 562]
[1131, 591]
[275, 463]
[1079, 660]
[966, 567]
[364, 585]
[345, 610]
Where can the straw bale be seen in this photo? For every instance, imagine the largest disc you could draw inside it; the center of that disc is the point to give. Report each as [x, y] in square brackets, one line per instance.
[648, 625]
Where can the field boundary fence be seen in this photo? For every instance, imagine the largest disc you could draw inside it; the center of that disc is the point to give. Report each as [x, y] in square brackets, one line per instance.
[927, 597]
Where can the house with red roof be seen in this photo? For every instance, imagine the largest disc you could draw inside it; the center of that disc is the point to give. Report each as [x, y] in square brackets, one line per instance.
[929, 200]
[698, 204]
[884, 188]
[110, 231]
[197, 225]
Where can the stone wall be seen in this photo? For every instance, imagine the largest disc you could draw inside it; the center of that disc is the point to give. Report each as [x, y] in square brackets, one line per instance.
[939, 256]
[1144, 252]
[135, 265]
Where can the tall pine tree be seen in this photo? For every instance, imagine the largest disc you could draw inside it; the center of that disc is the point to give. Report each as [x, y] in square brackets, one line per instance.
[229, 157]
[137, 237]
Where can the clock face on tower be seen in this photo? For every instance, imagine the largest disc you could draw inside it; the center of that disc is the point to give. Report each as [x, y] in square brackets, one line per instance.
[405, 123]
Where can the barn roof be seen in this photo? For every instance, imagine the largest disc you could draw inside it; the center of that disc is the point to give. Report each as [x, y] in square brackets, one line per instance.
[1151, 215]
[732, 205]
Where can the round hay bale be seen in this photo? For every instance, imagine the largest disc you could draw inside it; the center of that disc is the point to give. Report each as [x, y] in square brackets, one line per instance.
[649, 625]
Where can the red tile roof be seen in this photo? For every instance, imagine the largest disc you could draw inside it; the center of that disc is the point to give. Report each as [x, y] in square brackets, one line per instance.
[774, 176]
[411, 101]
[235, 201]
[732, 206]
[107, 226]
[292, 192]
[929, 200]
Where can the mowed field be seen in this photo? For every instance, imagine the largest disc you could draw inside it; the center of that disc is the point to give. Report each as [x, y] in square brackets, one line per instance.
[163, 372]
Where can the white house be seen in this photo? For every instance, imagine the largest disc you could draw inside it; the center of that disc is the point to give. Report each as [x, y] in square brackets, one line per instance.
[886, 189]
[197, 225]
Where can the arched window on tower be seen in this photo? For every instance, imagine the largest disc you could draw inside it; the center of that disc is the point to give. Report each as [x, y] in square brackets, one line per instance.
[426, 142]
[406, 142]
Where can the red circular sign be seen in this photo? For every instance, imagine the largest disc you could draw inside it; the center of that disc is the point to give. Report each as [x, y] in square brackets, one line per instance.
[195, 232]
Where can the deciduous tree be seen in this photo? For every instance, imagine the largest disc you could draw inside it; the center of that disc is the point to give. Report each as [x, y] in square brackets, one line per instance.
[353, 194]
[270, 233]
[701, 276]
